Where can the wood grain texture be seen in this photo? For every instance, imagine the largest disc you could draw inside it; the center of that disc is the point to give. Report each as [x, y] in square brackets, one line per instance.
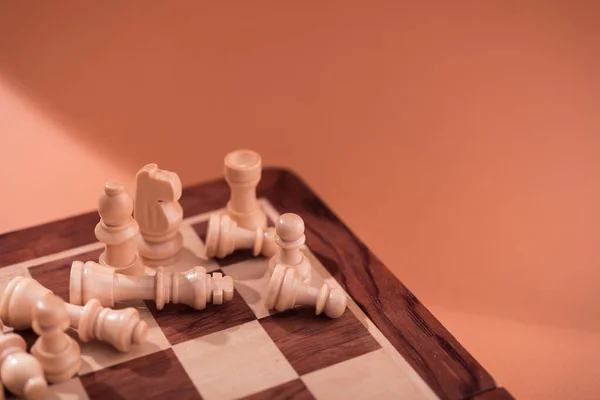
[155, 376]
[432, 351]
[494, 394]
[312, 342]
[293, 390]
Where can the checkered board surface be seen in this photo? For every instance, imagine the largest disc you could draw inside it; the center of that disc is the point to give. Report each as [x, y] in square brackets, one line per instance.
[235, 350]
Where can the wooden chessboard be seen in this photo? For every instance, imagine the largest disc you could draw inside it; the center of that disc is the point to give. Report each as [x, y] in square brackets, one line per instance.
[386, 345]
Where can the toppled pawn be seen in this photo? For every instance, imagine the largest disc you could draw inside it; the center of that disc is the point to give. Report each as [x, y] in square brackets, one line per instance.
[56, 351]
[286, 290]
[121, 328]
[224, 236]
[118, 230]
[194, 287]
[290, 237]
[20, 372]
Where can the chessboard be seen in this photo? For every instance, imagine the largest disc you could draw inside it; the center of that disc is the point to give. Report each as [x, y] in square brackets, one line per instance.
[386, 344]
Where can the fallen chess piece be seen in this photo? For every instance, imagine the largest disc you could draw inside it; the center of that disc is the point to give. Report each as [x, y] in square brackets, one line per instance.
[194, 288]
[224, 236]
[159, 215]
[56, 351]
[290, 237]
[121, 328]
[20, 372]
[118, 230]
[243, 170]
[286, 291]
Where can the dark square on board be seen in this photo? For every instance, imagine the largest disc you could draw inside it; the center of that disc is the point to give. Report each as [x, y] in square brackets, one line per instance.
[181, 323]
[158, 375]
[55, 275]
[312, 342]
[293, 390]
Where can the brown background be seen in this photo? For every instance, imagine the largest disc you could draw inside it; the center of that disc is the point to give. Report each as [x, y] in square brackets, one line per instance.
[459, 140]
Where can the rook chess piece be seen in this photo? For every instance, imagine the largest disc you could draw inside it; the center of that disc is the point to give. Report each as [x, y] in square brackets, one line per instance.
[56, 351]
[121, 328]
[290, 237]
[20, 372]
[159, 214]
[194, 288]
[224, 236]
[118, 230]
[286, 291]
[243, 170]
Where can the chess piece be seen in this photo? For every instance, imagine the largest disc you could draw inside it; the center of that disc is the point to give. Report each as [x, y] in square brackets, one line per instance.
[243, 170]
[194, 288]
[224, 236]
[56, 351]
[20, 372]
[286, 290]
[121, 328]
[159, 214]
[290, 237]
[118, 230]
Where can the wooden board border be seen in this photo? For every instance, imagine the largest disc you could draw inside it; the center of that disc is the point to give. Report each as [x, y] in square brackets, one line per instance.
[430, 349]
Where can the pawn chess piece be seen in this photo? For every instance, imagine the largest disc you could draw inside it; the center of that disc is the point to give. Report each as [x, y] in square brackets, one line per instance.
[224, 236]
[56, 351]
[121, 328]
[159, 214]
[243, 171]
[194, 288]
[118, 230]
[286, 290]
[20, 372]
[290, 237]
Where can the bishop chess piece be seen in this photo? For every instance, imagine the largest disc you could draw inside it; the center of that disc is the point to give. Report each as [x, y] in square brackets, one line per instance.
[243, 170]
[121, 328]
[224, 236]
[56, 351]
[20, 372]
[159, 214]
[118, 230]
[286, 290]
[194, 288]
[290, 238]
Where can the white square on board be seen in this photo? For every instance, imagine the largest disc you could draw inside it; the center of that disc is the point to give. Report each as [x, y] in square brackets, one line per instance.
[370, 376]
[235, 362]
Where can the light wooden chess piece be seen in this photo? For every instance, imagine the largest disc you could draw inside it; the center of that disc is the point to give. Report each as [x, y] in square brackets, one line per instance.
[286, 290]
[290, 237]
[118, 230]
[159, 214]
[20, 372]
[194, 288]
[58, 353]
[121, 328]
[243, 170]
[224, 236]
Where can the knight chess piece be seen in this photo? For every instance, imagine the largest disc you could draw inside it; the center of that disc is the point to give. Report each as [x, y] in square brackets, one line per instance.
[159, 214]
